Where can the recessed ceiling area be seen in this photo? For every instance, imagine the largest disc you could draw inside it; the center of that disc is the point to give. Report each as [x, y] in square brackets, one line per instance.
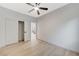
[24, 8]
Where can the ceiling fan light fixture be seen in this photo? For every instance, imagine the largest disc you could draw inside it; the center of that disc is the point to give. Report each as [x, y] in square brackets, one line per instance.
[36, 8]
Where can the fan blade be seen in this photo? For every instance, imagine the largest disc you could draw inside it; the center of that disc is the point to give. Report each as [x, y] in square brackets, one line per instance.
[31, 10]
[43, 8]
[30, 4]
[38, 12]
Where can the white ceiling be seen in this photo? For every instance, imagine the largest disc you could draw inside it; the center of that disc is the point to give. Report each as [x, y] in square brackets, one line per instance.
[24, 8]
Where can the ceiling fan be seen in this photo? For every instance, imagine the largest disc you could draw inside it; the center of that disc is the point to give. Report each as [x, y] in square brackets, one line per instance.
[36, 7]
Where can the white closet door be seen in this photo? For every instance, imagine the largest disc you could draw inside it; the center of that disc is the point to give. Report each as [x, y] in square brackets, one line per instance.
[11, 31]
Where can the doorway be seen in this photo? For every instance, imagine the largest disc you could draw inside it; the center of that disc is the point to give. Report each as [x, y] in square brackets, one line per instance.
[21, 31]
[33, 31]
[34, 40]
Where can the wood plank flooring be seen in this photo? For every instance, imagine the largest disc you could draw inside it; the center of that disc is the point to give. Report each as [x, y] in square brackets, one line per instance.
[36, 48]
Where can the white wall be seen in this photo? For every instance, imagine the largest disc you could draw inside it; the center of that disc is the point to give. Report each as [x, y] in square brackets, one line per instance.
[60, 27]
[2, 32]
[9, 26]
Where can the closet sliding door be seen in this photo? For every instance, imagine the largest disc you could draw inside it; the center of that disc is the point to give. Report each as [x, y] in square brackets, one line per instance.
[11, 31]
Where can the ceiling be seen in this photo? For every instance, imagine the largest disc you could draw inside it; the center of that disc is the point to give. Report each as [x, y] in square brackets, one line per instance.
[24, 8]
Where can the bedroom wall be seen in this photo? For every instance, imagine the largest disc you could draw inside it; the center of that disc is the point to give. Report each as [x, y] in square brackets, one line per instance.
[9, 26]
[60, 27]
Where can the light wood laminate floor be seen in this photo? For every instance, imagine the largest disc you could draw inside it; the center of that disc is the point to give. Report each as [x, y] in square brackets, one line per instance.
[35, 48]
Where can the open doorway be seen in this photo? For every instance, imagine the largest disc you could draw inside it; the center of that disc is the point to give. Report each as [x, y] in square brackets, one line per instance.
[34, 40]
[20, 31]
[33, 31]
